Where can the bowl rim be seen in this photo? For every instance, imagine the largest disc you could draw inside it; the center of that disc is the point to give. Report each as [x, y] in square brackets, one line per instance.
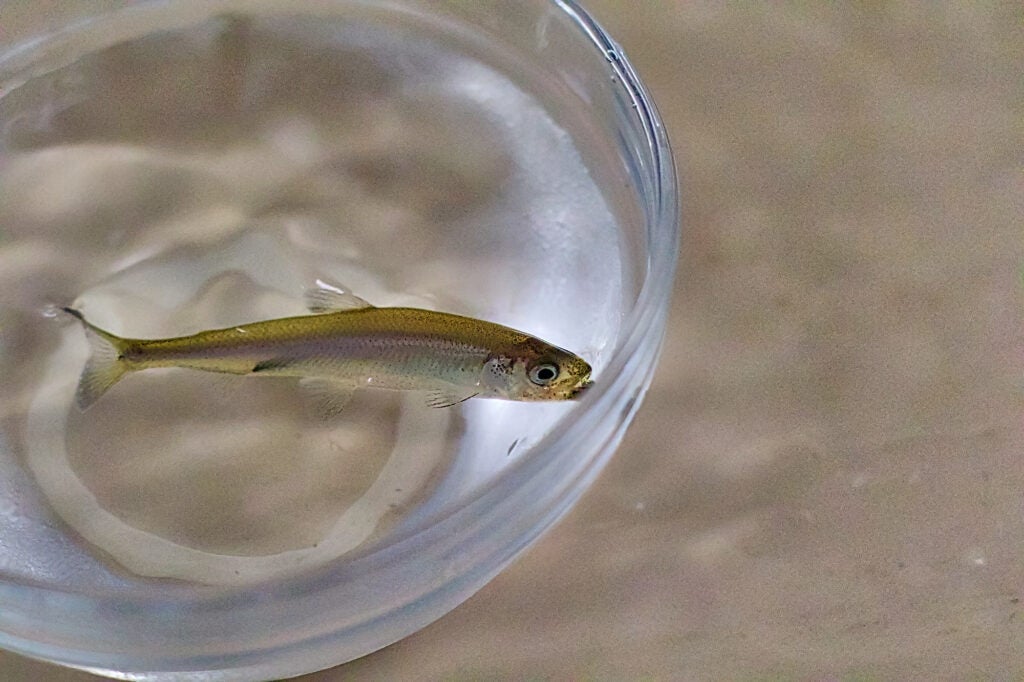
[649, 308]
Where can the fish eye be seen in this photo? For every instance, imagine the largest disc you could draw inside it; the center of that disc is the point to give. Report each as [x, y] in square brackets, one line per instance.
[544, 374]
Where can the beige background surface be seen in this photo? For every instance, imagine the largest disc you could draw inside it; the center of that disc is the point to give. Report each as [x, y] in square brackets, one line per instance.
[826, 481]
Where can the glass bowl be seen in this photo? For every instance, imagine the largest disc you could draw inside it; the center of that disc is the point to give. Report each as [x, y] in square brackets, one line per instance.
[169, 166]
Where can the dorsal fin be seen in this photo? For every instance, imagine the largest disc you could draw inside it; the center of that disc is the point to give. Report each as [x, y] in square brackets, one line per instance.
[325, 298]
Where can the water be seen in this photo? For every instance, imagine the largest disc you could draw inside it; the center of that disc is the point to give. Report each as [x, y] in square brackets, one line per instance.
[204, 177]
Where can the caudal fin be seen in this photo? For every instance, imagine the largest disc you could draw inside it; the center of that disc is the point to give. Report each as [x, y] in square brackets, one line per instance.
[104, 367]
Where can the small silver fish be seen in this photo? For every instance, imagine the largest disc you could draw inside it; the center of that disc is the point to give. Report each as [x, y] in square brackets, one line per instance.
[351, 344]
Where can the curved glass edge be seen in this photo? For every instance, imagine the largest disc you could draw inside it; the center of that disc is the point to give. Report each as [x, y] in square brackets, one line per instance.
[640, 348]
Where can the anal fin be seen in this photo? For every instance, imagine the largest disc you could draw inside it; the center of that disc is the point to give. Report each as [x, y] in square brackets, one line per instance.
[269, 365]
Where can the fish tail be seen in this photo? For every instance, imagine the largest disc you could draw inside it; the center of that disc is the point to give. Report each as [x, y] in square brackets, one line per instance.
[105, 366]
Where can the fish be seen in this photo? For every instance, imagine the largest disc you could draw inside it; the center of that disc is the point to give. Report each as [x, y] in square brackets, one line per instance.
[347, 344]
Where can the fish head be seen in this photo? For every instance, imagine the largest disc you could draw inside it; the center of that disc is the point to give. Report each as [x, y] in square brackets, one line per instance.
[535, 370]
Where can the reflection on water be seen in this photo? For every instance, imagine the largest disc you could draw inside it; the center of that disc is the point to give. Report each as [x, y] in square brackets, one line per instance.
[201, 178]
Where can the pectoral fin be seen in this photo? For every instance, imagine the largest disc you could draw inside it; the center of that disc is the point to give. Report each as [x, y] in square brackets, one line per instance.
[331, 396]
[446, 398]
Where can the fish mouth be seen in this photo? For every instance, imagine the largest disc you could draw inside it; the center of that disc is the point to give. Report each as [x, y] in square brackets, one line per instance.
[584, 385]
